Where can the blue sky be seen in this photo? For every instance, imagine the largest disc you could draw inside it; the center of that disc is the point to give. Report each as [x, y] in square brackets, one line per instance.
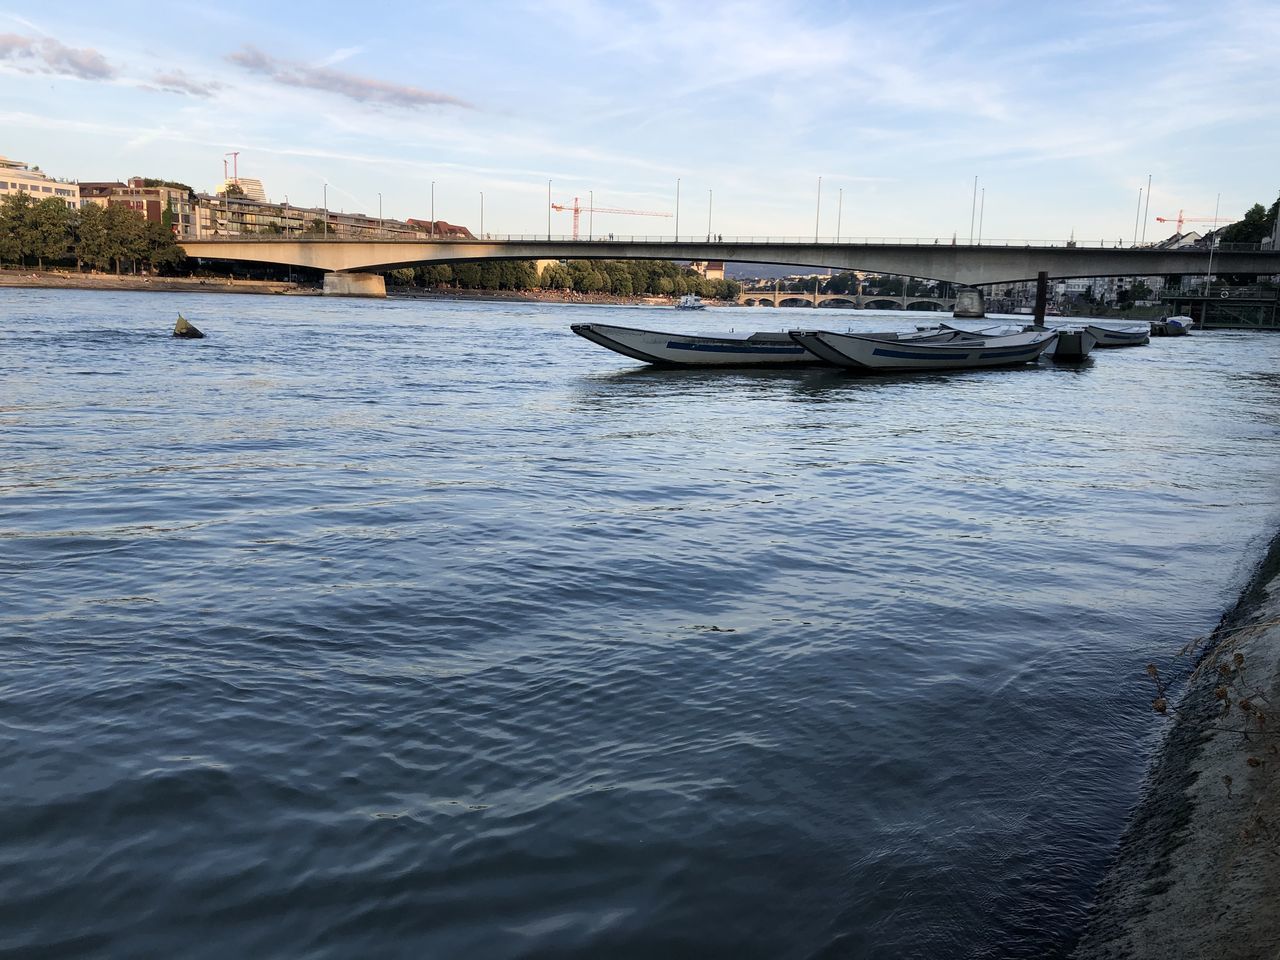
[1061, 110]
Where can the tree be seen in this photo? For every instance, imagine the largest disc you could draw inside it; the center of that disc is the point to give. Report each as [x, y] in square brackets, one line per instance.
[91, 243]
[126, 234]
[1257, 224]
[159, 247]
[50, 230]
[14, 227]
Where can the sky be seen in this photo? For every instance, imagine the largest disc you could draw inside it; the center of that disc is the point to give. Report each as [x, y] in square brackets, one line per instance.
[1060, 110]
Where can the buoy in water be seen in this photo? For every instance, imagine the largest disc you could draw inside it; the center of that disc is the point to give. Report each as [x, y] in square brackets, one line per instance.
[185, 330]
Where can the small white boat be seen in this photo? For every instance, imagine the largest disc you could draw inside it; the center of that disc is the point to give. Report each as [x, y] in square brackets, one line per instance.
[1178, 326]
[690, 301]
[872, 355]
[698, 350]
[1129, 336]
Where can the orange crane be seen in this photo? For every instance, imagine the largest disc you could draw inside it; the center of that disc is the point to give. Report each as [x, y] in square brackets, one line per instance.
[1180, 219]
[579, 210]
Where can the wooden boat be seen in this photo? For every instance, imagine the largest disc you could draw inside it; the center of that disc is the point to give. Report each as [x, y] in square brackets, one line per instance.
[721, 349]
[870, 355]
[1120, 337]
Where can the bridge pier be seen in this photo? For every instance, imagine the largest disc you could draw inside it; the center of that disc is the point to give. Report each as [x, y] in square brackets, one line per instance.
[969, 304]
[341, 283]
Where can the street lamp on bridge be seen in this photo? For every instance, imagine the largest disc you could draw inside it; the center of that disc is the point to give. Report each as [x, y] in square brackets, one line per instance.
[817, 217]
[326, 208]
[677, 209]
[432, 228]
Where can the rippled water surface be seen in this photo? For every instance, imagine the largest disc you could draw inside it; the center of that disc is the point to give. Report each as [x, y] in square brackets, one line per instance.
[427, 629]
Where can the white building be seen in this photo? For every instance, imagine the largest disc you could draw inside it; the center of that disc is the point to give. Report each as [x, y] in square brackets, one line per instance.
[18, 177]
[251, 188]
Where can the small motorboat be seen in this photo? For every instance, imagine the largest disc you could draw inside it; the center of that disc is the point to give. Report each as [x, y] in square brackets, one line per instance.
[696, 349]
[1130, 336]
[690, 301]
[1178, 326]
[872, 355]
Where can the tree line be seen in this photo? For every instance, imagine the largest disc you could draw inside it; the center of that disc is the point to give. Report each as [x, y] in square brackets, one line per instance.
[623, 278]
[1256, 226]
[99, 238]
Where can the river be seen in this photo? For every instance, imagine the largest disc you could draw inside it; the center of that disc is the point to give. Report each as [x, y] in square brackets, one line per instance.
[410, 629]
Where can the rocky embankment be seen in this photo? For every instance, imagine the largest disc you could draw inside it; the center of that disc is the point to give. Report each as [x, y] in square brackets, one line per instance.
[1197, 874]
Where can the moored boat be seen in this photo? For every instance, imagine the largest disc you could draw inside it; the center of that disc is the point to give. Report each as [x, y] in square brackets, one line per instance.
[1130, 336]
[690, 301]
[698, 350]
[724, 349]
[871, 355]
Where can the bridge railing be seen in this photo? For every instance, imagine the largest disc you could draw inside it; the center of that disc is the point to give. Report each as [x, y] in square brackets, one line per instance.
[716, 240]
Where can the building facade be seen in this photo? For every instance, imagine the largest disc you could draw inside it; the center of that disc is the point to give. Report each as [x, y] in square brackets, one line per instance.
[157, 201]
[17, 177]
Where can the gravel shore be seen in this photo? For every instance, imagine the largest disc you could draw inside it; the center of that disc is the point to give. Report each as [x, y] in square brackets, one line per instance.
[1197, 874]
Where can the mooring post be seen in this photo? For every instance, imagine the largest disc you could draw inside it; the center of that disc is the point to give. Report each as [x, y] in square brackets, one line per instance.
[1042, 296]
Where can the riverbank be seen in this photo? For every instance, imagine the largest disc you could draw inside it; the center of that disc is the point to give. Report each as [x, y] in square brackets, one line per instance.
[532, 296]
[1198, 869]
[70, 280]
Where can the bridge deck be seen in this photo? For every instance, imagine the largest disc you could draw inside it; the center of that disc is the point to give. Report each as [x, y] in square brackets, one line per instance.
[974, 265]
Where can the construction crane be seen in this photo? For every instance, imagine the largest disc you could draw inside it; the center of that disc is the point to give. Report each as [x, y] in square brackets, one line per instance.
[235, 166]
[1180, 219]
[579, 210]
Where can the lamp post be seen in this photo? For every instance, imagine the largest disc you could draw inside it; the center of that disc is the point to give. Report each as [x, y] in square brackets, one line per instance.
[482, 213]
[1213, 242]
[591, 214]
[380, 231]
[548, 210]
[839, 211]
[1145, 210]
[709, 198]
[677, 209]
[817, 218]
[326, 208]
[973, 209]
[432, 228]
[982, 211]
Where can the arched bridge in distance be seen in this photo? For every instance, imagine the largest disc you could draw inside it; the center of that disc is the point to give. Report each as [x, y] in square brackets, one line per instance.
[353, 265]
[872, 301]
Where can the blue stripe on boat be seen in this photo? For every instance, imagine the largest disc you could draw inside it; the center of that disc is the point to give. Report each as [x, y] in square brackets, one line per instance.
[985, 355]
[908, 355]
[1008, 352]
[720, 348]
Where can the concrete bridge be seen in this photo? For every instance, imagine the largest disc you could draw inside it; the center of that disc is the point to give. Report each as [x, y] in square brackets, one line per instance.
[353, 265]
[874, 301]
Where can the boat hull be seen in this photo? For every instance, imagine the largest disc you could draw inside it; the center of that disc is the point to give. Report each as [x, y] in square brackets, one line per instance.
[1108, 338]
[870, 355]
[691, 350]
